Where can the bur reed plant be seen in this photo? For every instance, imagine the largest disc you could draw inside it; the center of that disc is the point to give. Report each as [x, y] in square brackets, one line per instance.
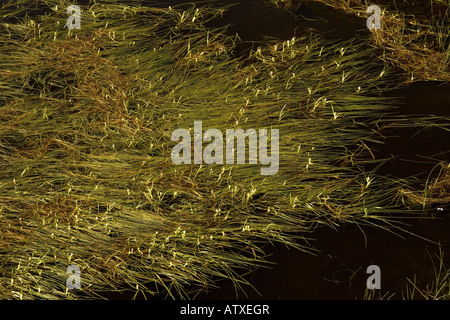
[414, 35]
[86, 176]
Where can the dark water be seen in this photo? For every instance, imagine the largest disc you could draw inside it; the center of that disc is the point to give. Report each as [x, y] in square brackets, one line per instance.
[415, 151]
[339, 270]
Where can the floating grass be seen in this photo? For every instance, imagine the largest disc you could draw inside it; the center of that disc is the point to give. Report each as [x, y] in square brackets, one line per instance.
[86, 176]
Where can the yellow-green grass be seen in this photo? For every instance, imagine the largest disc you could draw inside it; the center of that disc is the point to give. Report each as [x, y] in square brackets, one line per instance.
[86, 176]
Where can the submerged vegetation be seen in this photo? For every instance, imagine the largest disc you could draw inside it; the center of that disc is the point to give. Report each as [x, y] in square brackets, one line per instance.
[86, 176]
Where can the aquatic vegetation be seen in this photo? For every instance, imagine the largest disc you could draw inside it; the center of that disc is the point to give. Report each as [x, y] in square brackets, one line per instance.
[86, 176]
[437, 192]
[414, 35]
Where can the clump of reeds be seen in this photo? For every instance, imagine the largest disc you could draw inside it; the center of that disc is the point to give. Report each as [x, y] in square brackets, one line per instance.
[416, 41]
[85, 140]
[436, 195]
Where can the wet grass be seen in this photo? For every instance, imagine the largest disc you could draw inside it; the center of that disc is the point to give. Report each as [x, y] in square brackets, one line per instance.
[86, 176]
